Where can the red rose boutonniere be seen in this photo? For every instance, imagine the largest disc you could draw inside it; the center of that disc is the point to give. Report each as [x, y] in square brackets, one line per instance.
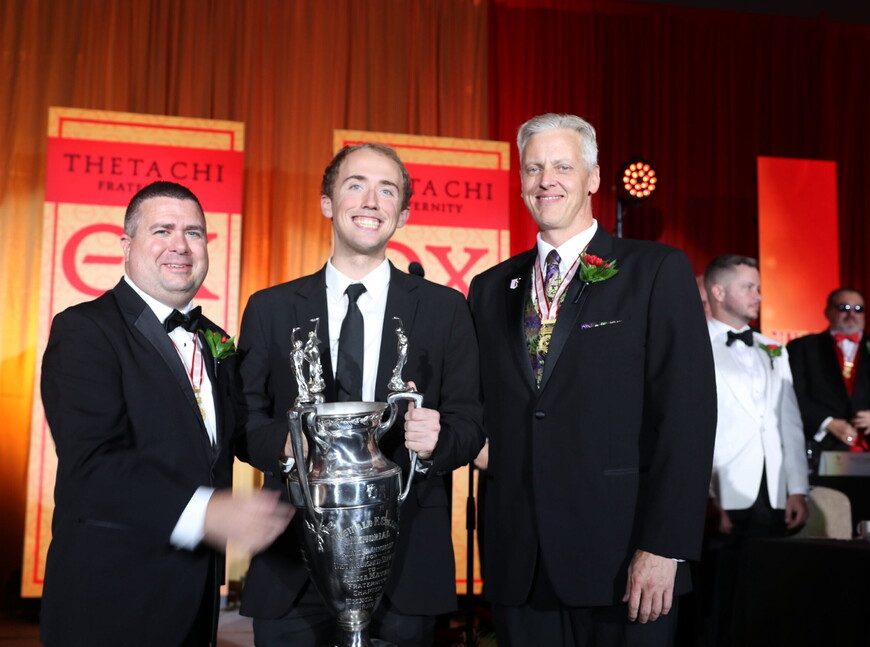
[220, 345]
[594, 268]
[772, 350]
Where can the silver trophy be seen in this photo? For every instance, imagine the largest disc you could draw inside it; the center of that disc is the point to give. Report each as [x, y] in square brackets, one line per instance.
[350, 495]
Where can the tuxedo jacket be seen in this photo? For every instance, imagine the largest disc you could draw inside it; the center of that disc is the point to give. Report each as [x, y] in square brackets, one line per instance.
[132, 449]
[612, 453]
[754, 438]
[442, 361]
[819, 384]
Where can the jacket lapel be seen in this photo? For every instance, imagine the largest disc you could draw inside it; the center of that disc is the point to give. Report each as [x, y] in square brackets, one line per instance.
[575, 298]
[771, 392]
[212, 369]
[860, 394]
[142, 318]
[516, 288]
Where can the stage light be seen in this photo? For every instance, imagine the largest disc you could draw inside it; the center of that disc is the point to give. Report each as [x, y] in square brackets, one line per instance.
[638, 180]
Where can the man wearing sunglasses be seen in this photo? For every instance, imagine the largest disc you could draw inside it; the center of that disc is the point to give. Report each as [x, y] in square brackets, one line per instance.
[831, 373]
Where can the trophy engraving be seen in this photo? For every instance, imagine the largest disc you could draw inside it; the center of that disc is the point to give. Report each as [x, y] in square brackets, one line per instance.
[348, 492]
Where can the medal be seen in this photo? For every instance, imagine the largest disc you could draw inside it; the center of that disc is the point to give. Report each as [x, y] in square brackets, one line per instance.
[194, 372]
[847, 369]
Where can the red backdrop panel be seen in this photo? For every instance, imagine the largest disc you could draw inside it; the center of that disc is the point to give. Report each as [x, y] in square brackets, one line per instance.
[797, 242]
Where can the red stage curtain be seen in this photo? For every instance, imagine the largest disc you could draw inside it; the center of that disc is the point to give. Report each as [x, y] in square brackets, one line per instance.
[701, 94]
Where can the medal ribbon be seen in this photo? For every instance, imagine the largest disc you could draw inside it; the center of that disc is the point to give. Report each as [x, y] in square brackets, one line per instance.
[549, 310]
[194, 372]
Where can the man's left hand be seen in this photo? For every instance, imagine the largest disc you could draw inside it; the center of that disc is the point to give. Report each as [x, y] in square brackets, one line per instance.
[422, 427]
[796, 511]
[650, 587]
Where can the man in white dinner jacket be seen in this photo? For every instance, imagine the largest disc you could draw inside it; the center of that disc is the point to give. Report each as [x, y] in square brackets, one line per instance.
[760, 480]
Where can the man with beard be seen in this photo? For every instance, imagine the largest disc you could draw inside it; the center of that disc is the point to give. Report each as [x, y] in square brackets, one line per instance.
[760, 478]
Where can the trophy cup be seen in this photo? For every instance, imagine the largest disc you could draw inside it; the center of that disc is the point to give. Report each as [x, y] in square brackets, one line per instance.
[350, 495]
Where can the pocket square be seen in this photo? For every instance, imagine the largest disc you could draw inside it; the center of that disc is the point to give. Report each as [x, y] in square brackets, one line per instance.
[598, 324]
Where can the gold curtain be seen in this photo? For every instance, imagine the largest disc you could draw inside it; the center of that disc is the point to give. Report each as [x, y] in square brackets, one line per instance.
[291, 70]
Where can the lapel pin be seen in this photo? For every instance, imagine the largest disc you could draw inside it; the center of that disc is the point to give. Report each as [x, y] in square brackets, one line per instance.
[514, 284]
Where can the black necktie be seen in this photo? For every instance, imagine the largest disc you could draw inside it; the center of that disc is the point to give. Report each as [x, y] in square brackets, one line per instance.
[189, 321]
[745, 337]
[351, 341]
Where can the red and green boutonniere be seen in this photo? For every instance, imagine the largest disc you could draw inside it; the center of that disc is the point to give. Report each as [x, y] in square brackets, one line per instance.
[594, 268]
[772, 350]
[220, 345]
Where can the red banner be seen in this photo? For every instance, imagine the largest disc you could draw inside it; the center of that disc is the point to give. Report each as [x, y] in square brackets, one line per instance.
[798, 244]
[96, 172]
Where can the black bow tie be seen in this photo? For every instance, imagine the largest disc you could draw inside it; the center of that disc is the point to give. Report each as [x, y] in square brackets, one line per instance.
[189, 321]
[745, 337]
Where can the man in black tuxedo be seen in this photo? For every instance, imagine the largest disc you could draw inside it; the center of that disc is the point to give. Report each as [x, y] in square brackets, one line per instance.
[143, 420]
[831, 372]
[600, 409]
[366, 192]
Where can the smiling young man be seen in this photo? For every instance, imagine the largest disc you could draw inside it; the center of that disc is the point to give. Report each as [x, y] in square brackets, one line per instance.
[145, 432]
[365, 192]
[832, 376]
[600, 411]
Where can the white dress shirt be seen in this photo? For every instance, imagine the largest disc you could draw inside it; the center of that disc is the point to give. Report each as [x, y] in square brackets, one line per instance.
[372, 304]
[568, 251]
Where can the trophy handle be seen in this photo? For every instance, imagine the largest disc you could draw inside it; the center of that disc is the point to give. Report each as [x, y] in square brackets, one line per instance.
[295, 418]
[418, 401]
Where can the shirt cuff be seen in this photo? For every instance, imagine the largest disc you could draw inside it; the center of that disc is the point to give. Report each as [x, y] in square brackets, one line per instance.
[190, 528]
[823, 429]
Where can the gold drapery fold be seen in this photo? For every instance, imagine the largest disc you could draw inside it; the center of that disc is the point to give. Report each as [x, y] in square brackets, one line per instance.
[292, 70]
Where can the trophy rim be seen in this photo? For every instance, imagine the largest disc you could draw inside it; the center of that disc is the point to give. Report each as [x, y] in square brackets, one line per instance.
[345, 409]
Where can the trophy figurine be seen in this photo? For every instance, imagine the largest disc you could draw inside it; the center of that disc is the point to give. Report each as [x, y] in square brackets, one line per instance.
[396, 383]
[315, 369]
[349, 494]
[297, 356]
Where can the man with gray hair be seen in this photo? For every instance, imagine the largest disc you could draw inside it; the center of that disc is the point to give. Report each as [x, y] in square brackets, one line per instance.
[600, 409]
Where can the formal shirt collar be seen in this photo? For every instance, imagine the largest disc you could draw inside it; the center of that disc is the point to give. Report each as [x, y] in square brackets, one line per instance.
[569, 250]
[377, 281]
[160, 310]
[722, 328]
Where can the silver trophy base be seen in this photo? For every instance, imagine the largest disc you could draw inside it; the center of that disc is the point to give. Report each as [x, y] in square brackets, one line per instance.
[360, 639]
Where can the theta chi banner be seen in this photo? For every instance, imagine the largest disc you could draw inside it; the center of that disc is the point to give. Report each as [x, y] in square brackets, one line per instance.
[459, 226]
[96, 162]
